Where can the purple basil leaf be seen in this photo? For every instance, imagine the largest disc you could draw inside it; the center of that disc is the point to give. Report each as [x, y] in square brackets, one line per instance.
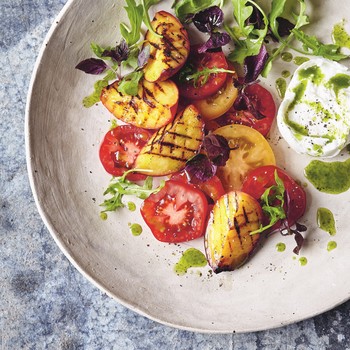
[189, 18]
[256, 18]
[284, 26]
[207, 20]
[143, 57]
[299, 239]
[300, 227]
[92, 66]
[200, 168]
[215, 41]
[217, 148]
[253, 65]
[241, 102]
[119, 54]
[244, 103]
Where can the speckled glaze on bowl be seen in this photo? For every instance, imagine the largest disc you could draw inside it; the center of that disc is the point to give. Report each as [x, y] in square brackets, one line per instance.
[62, 140]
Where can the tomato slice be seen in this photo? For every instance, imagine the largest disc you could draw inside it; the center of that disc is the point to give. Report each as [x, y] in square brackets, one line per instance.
[249, 150]
[120, 147]
[198, 61]
[263, 102]
[216, 105]
[177, 213]
[260, 179]
[212, 187]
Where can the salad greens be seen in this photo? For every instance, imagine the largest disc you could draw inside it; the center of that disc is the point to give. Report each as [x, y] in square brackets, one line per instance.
[185, 8]
[120, 186]
[274, 200]
[272, 204]
[200, 77]
[252, 32]
[248, 39]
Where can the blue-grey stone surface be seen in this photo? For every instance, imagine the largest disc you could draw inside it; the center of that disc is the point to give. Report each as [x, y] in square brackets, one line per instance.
[44, 302]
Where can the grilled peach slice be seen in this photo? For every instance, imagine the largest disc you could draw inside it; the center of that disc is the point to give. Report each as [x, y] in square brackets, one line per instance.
[170, 147]
[169, 51]
[228, 239]
[154, 105]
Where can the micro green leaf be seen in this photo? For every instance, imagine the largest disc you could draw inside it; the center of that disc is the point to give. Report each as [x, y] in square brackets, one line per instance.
[272, 202]
[248, 39]
[129, 84]
[120, 186]
[183, 8]
[146, 4]
[94, 97]
[135, 14]
[200, 77]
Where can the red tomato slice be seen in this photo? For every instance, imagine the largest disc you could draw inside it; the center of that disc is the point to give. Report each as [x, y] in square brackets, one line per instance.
[212, 187]
[263, 102]
[209, 59]
[120, 147]
[260, 179]
[177, 213]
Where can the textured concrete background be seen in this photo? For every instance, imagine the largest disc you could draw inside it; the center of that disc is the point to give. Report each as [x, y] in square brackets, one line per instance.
[45, 302]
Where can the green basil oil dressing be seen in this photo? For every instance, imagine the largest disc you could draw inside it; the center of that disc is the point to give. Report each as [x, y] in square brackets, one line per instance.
[103, 215]
[281, 87]
[312, 73]
[329, 177]
[325, 221]
[338, 82]
[299, 130]
[131, 206]
[331, 245]
[135, 229]
[340, 36]
[190, 258]
[280, 247]
[285, 73]
[302, 261]
[286, 56]
[299, 60]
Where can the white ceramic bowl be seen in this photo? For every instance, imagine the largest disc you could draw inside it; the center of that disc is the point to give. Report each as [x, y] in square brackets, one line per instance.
[62, 140]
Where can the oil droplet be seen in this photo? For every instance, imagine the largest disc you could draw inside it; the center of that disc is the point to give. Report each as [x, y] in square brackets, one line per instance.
[131, 206]
[281, 247]
[285, 73]
[302, 261]
[103, 215]
[281, 86]
[286, 56]
[190, 258]
[299, 60]
[325, 221]
[136, 229]
[331, 245]
[340, 36]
